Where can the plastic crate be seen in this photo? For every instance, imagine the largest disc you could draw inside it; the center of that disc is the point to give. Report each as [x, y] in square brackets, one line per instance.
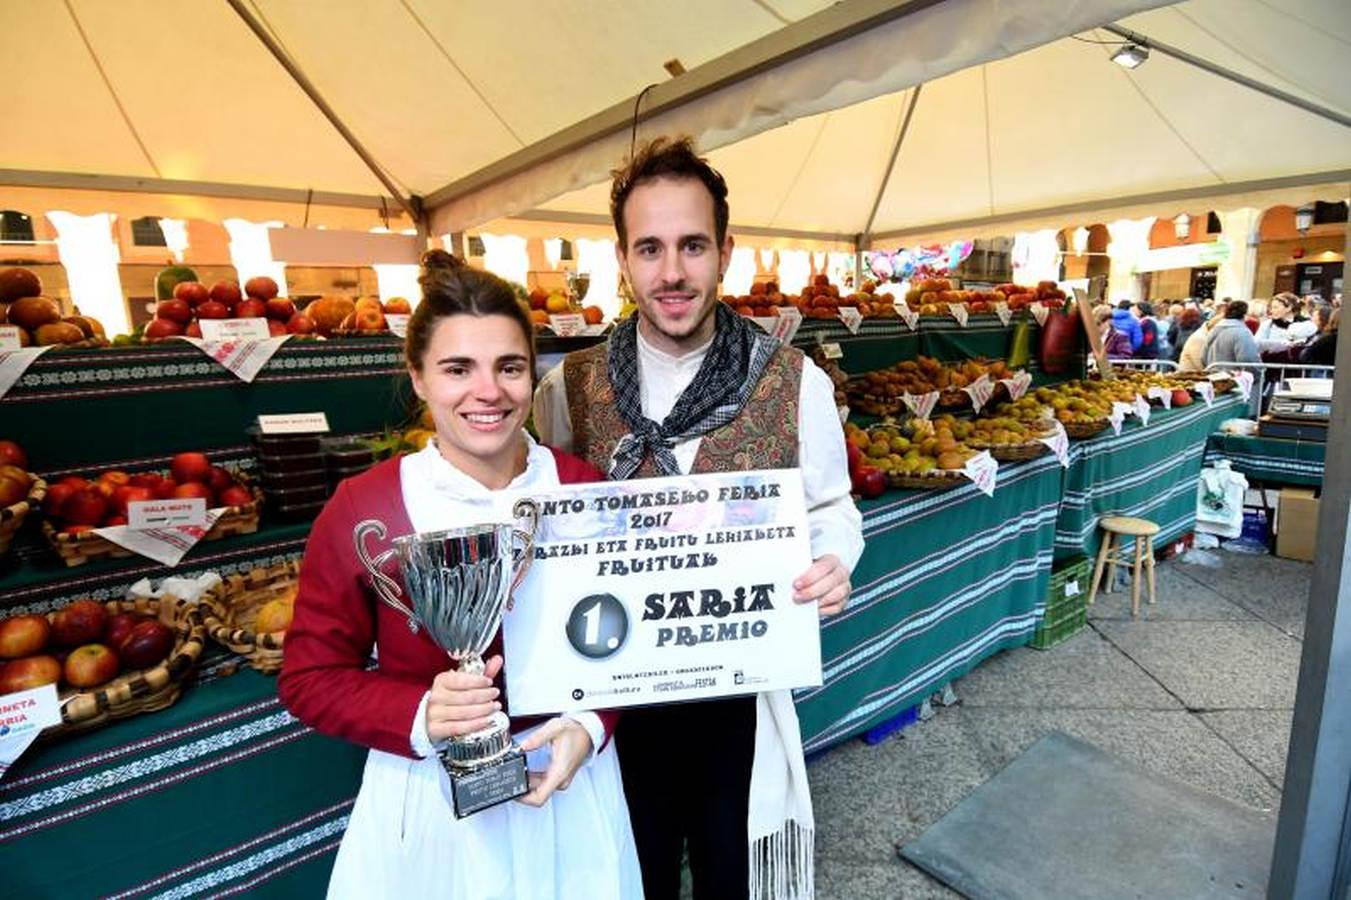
[1066, 605]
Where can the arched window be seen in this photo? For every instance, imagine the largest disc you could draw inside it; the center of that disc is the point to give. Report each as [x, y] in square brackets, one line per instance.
[146, 232]
[15, 227]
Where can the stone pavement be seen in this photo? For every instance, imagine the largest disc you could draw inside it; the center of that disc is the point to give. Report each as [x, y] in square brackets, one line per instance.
[1200, 688]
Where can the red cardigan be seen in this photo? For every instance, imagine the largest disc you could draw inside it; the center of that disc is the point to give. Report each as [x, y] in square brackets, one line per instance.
[324, 680]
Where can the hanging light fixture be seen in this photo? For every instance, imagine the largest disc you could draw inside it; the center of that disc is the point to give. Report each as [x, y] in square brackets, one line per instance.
[1131, 55]
[1182, 226]
[1304, 218]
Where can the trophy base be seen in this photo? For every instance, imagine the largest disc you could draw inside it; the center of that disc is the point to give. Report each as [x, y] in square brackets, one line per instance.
[476, 789]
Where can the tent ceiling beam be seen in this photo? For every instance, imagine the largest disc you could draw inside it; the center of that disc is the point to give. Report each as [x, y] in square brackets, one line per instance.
[581, 218]
[410, 205]
[829, 26]
[1229, 75]
[1158, 198]
[891, 165]
[79, 181]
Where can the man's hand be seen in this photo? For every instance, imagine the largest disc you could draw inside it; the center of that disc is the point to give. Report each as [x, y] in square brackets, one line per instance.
[826, 584]
[569, 744]
[459, 703]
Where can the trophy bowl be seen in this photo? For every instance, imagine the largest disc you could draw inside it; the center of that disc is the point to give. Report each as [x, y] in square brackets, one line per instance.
[459, 581]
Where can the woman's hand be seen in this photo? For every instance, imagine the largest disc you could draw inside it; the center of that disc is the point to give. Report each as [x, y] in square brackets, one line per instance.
[826, 584]
[570, 745]
[459, 703]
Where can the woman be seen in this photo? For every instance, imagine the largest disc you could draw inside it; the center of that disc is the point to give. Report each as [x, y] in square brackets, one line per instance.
[1115, 343]
[1149, 330]
[1185, 323]
[1322, 350]
[471, 357]
[1190, 359]
[1283, 324]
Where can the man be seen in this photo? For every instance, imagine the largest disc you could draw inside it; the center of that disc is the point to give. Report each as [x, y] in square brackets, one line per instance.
[686, 385]
[1230, 340]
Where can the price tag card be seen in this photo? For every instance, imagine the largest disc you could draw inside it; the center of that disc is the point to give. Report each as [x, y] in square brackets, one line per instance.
[983, 470]
[922, 405]
[851, 317]
[832, 350]
[23, 715]
[9, 338]
[786, 324]
[1005, 314]
[1017, 385]
[1118, 414]
[655, 590]
[1244, 379]
[292, 423]
[244, 357]
[908, 316]
[13, 363]
[250, 329]
[166, 546]
[1206, 390]
[1162, 394]
[1072, 588]
[959, 312]
[567, 324]
[1040, 313]
[1142, 409]
[1059, 442]
[398, 323]
[146, 515]
[979, 391]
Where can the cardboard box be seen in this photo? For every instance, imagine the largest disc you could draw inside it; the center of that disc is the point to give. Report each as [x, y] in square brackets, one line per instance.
[1298, 524]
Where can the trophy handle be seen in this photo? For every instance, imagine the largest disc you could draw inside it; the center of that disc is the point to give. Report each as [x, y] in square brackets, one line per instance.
[526, 512]
[386, 588]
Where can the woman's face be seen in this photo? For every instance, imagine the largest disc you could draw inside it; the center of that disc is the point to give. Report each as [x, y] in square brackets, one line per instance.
[475, 379]
[1277, 309]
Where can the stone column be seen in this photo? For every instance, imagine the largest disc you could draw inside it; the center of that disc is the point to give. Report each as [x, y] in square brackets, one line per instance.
[1130, 240]
[89, 253]
[1237, 275]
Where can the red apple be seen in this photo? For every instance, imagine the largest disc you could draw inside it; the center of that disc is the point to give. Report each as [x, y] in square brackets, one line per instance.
[90, 666]
[193, 489]
[12, 490]
[148, 643]
[190, 467]
[146, 479]
[175, 309]
[80, 622]
[212, 310]
[218, 479]
[261, 286]
[1182, 397]
[165, 489]
[871, 482]
[56, 496]
[226, 292]
[85, 507]
[300, 324]
[280, 308]
[157, 329]
[194, 292]
[11, 454]
[75, 481]
[119, 626]
[235, 495]
[398, 305]
[276, 328]
[854, 455]
[29, 672]
[114, 520]
[252, 308]
[127, 494]
[23, 635]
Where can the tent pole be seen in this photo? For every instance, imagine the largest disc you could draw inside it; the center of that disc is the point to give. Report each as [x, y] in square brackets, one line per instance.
[1229, 75]
[313, 93]
[1312, 858]
[891, 163]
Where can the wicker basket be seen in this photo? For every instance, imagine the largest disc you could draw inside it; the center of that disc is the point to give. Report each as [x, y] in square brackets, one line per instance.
[1223, 385]
[232, 609]
[1012, 452]
[78, 549]
[1084, 430]
[12, 516]
[936, 480]
[954, 398]
[142, 690]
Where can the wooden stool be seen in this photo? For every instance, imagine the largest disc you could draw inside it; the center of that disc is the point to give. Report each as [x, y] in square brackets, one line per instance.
[1111, 553]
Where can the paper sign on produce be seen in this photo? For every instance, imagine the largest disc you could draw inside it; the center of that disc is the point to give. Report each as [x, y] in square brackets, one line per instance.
[23, 715]
[661, 590]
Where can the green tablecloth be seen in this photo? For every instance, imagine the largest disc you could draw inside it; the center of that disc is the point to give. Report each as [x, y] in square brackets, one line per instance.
[1270, 460]
[223, 791]
[1147, 471]
[947, 579]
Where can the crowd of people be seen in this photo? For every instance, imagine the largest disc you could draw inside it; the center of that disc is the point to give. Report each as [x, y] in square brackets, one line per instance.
[1198, 333]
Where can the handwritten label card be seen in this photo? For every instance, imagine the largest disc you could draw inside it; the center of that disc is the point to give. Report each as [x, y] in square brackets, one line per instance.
[908, 316]
[9, 338]
[851, 317]
[922, 405]
[398, 323]
[1142, 409]
[1005, 314]
[1059, 442]
[23, 715]
[1040, 313]
[959, 312]
[832, 350]
[1162, 394]
[788, 321]
[983, 470]
[292, 423]
[979, 391]
[1206, 390]
[248, 329]
[1017, 385]
[1244, 379]
[1118, 414]
[146, 515]
[567, 324]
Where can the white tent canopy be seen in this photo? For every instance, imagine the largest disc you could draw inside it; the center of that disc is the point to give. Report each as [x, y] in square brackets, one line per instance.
[500, 109]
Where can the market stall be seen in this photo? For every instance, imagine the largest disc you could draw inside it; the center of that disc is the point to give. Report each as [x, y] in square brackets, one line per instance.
[1269, 460]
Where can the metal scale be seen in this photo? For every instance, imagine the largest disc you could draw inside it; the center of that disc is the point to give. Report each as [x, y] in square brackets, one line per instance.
[1299, 411]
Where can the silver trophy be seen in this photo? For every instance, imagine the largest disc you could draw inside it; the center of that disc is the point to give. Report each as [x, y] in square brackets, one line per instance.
[460, 582]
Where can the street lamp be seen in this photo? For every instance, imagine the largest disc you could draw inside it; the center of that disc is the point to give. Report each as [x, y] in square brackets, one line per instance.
[1182, 226]
[1304, 218]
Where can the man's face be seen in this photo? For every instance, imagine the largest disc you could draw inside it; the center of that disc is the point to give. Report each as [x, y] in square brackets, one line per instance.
[673, 262]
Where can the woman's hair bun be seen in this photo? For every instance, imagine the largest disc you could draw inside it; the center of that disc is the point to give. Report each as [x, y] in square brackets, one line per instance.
[440, 259]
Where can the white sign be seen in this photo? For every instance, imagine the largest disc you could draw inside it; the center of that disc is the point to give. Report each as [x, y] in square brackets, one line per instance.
[567, 324]
[1162, 394]
[1142, 409]
[146, 515]
[922, 405]
[1040, 313]
[1118, 414]
[908, 316]
[166, 546]
[9, 338]
[832, 351]
[789, 320]
[292, 423]
[959, 312]
[656, 590]
[1059, 442]
[1005, 314]
[23, 715]
[851, 317]
[1244, 379]
[398, 323]
[982, 469]
[1206, 390]
[979, 391]
[252, 328]
[1017, 385]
